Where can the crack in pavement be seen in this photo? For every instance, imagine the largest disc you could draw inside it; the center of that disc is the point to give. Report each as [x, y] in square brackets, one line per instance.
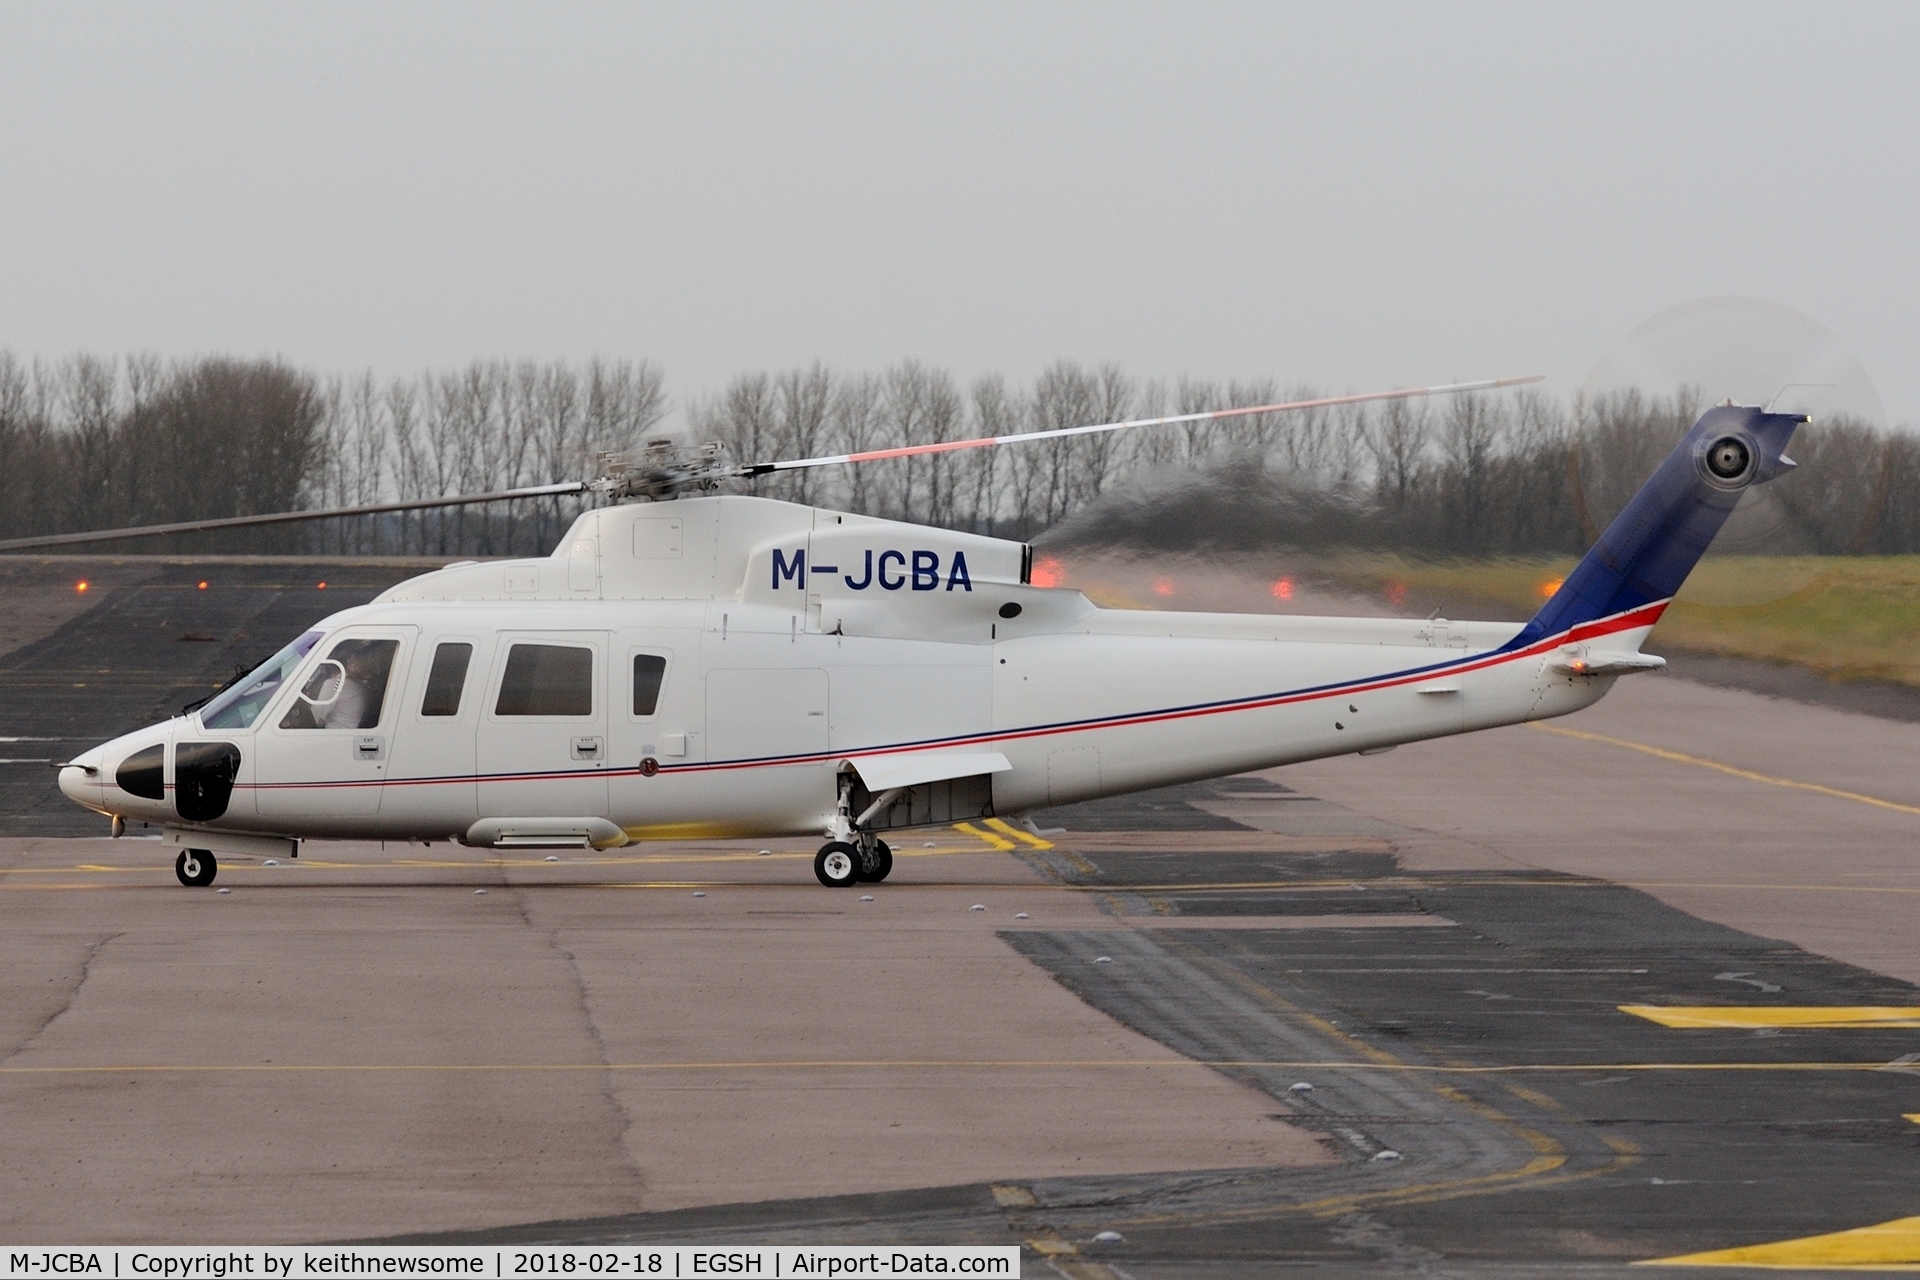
[28, 1041]
[622, 1121]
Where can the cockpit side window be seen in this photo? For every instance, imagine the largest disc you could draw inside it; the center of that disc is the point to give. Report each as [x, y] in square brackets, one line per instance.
[347, 689]
[241, 704]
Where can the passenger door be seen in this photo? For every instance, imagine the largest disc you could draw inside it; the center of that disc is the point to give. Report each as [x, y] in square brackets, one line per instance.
[542, 746]
[324, 752]
[656, 712]
[430, 773]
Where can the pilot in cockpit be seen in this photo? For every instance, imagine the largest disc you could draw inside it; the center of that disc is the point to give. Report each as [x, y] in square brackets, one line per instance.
[350, 707]
[347, 690]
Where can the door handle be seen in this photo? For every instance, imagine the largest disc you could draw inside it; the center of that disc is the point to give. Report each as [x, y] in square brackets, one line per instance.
[369, 748]
[586, 748]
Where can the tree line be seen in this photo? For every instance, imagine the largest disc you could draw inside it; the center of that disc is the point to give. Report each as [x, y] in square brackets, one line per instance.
[90, 442]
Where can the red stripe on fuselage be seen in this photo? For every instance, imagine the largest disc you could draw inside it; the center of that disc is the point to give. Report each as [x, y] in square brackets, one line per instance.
[1644, 616]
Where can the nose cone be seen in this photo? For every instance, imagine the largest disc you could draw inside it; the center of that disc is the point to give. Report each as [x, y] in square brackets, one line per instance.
[81, 781]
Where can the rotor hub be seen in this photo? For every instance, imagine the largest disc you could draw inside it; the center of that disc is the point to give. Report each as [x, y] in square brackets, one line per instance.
[662, 469]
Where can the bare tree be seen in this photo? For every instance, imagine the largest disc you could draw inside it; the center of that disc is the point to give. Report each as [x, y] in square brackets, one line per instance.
[1063, 396]
[1398, 436]
[625, 399]
[1155, 447]
[559, 433]
[89, 394]
[803, 404]
[996, 412]
[1194, 396]
[1618, 439]
[904, 409]
[367, 451]
[1468, 437]
[413, 469]
[1282, 438]
[854, 427]
[745, 419]
[943, 419]
[23, 447]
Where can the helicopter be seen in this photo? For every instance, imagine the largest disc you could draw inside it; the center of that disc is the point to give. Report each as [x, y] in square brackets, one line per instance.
[691, 663]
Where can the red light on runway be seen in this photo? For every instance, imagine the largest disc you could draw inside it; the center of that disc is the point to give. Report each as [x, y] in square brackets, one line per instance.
[322, 587]
[1162, 587]
[203, 586]
[80, 586]
[1283, 589]
[1396, 593]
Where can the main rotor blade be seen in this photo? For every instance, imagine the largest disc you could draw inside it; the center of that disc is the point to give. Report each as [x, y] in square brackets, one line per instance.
[285, 517]
[1059, 433]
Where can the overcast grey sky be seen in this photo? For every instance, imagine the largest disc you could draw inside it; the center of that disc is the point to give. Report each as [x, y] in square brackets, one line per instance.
[1349, 195]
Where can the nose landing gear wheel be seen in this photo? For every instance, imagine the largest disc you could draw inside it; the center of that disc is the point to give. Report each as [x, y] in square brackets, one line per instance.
[196, 867]
[877, 862]
[837, 865]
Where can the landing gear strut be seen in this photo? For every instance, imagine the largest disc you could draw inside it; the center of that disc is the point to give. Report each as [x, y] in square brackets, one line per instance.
[852, 854]
[196, 867]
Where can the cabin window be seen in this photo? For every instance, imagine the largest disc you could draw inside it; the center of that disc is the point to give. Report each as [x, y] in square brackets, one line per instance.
[648, 670]
[347, 689]
[546, 680]
[447, 679]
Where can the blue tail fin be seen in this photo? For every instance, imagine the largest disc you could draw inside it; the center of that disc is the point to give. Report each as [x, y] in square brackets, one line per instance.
[1653, 544]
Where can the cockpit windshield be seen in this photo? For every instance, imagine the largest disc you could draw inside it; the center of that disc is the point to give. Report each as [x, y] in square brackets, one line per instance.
[241, 704]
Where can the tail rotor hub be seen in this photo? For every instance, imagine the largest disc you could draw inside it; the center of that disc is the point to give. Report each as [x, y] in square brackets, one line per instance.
[1729, 462]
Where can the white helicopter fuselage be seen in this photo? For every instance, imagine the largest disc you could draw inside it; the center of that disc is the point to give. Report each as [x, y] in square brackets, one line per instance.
[735, 666]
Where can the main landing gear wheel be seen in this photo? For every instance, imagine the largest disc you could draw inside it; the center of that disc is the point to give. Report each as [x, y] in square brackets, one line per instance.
[837, 865]
[196, 867]
[876, 862]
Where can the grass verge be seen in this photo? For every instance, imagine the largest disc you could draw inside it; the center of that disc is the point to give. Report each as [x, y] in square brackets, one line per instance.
[1845, 617]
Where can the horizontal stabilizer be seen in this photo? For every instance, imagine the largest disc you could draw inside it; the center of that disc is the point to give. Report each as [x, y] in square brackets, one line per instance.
[1598, 663]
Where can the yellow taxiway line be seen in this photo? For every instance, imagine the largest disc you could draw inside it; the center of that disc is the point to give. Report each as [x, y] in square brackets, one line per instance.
[1747, 1017]
[1885, 1246]
[1733, 771]
[1024, 837]
[1001, 836]
[993, 840]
